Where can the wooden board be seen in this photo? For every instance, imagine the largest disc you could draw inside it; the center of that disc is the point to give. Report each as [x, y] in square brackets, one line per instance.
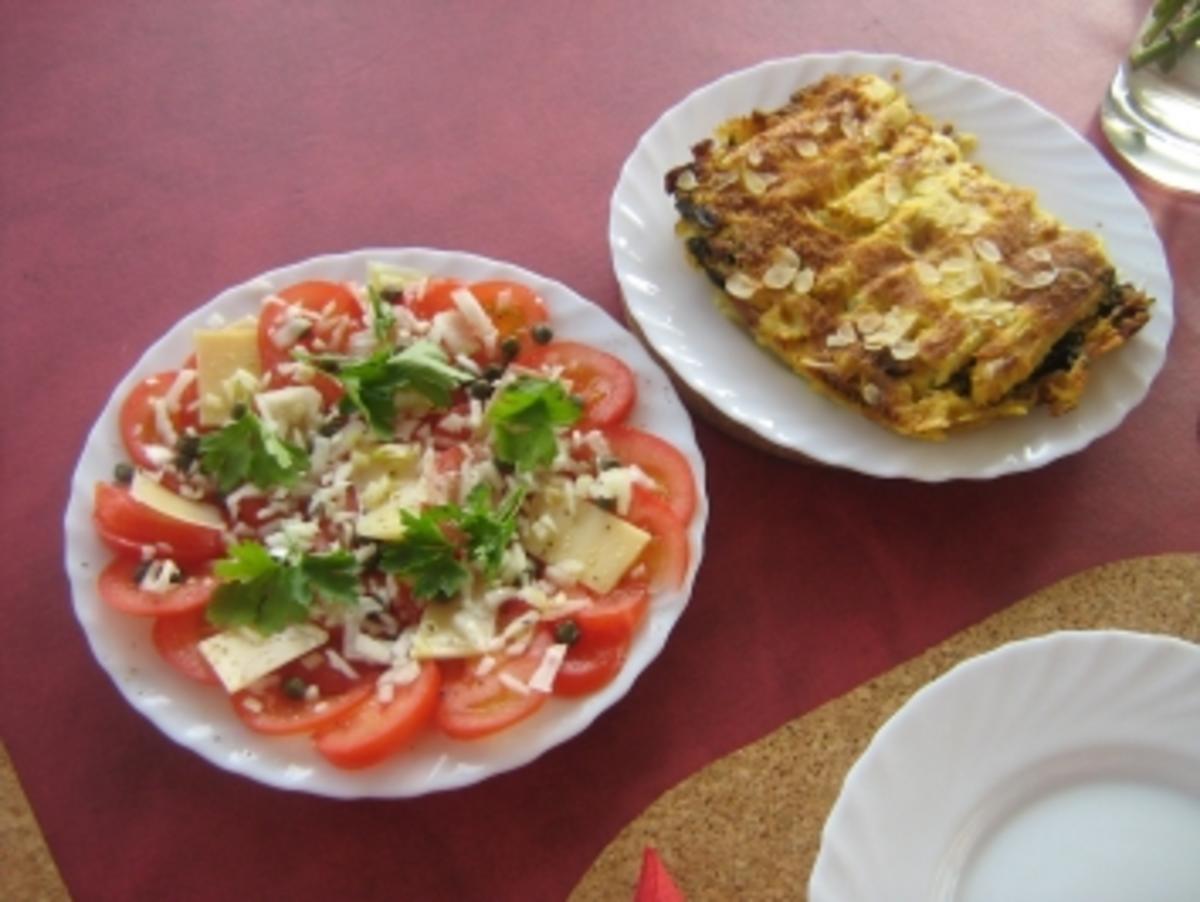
[748, 826]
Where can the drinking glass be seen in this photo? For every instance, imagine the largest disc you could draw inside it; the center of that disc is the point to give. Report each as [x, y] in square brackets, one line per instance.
[1151, 113]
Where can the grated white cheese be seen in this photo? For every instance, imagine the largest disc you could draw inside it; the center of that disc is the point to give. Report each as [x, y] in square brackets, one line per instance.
[547, 669]
[477, 318]
[513, 683]
[338, 663]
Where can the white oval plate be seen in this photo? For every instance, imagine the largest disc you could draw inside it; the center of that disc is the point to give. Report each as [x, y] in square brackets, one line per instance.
[201, 718]
[671, 301]
[1061, 767]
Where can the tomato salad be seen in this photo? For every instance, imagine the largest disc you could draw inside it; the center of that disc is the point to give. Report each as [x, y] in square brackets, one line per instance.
[381, 509]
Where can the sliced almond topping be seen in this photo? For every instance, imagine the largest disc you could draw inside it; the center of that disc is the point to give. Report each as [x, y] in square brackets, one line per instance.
[754, 156]
[804, 280]
[819, 126]
[893, 189]
[780, 275]
[987, 250]
[740, 285]
[1044, 277]
[871, 393]
[869, 322]
[927, 273]
[807, 149]
[687, 181]
[843, 337]
[953, 265]
[755, 183]
[724, 179]
[904, 349]
[1040, 254]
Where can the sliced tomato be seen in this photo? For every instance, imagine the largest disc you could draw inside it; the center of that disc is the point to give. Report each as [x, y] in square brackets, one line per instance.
[127, 523]
[377, 729]
[139, 422]
[474, 706]
[606, 385]
[177, 638]
[661, 461]
[514, 308]
[665, 559]
[435, 299]
[591, 663]
[617, 615]
[119, 588]
[340, 315]
[269, 709]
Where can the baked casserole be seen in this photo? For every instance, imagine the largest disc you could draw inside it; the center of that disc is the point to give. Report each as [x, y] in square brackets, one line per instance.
[853, 238]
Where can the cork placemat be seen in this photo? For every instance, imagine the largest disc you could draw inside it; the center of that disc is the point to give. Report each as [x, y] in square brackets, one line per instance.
[27, 872]
[748, 826]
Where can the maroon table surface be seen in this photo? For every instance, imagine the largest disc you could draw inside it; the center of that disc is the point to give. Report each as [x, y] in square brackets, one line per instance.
[153, 153]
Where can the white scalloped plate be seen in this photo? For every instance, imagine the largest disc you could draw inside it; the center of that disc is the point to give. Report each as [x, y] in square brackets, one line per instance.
[1061, 767]
[201, 718]
[671, 302]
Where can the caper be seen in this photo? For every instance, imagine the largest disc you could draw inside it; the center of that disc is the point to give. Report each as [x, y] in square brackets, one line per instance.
[480, 389]
[123, 473]
[187, 450]
[295, 688]
[510, 348]
[492, 372]
[238, 410]
[542, 334]
[567, 632]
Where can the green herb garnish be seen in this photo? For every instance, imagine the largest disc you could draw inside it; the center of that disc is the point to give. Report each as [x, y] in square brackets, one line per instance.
[267, 595]
[371, 385]
[440, 546]
[524, 417]
[425, 557]
[247, 451]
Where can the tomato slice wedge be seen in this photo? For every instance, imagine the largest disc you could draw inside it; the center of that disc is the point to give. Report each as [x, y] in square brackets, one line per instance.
[606, 385]
[514, 308]
[665, 559]
[661, 461]
[138, 420]
[474, 706]
[177, 638]
[591, 663]
[269, 710]
[617, 615]
[435, 299]
[128, 524]
[119, 588]
[376, 729]
[339, 314]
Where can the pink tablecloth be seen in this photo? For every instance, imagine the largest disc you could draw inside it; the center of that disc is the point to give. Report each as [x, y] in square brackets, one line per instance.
[153, 153]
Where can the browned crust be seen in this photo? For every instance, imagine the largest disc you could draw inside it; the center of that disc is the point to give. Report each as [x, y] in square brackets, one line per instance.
[928, 295]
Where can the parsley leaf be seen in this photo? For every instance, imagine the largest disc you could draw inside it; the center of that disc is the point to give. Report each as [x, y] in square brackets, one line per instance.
[382, 318]
[524, 416]
[260, 592]
[371, 384]
[334, 575]
[247, 451]
[426, 557]
[489, 532]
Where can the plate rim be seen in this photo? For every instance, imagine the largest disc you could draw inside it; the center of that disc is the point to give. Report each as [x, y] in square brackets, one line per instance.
[937, 694]
[1154, 338]
[84, 556]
